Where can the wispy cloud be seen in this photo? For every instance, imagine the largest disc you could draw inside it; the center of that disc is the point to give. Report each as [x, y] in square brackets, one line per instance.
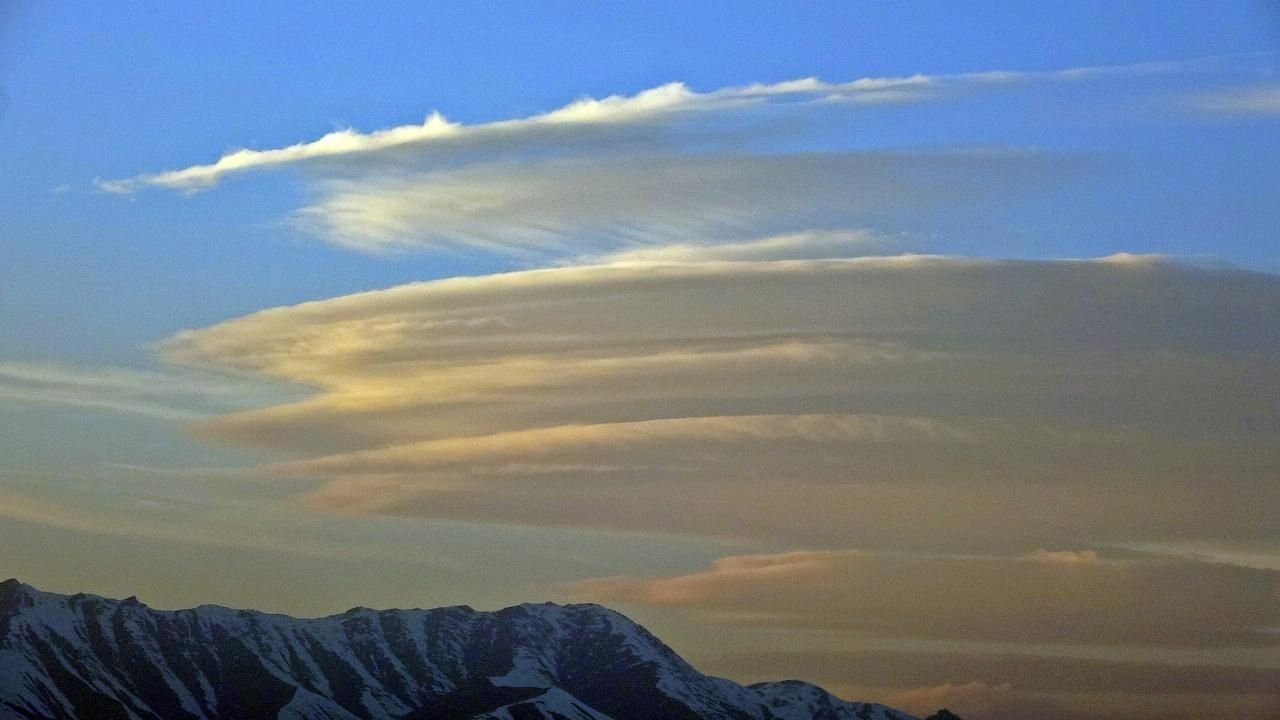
[812, 244]
[561, 208]
[655, 105]
[1241, 101]
[30, 508]
[173, 395]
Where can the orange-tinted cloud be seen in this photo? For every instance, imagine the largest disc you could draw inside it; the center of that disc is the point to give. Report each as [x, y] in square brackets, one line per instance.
[904, 402]
[1042, 598]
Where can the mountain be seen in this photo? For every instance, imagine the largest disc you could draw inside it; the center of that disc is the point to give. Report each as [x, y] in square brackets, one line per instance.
[83, 656]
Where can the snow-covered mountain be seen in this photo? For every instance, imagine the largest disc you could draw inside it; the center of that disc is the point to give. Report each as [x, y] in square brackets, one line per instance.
[87, 657]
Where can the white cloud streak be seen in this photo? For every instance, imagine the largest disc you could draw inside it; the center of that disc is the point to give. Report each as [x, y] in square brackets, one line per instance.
[652, 106]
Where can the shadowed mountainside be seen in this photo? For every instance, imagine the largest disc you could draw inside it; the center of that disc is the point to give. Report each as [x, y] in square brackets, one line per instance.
[83, 656]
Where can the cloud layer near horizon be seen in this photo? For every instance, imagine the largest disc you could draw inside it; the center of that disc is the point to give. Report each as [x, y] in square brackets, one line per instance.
[1043, 598]
[903, 402]
[1017, 686]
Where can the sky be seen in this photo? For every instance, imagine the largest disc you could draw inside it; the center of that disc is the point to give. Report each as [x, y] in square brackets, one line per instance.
[926, 351]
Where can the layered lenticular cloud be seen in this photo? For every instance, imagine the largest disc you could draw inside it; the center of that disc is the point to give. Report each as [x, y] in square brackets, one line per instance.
[904, 402]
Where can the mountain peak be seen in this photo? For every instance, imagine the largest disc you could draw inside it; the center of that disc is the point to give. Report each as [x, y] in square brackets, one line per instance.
[86, 656]
[11, 591]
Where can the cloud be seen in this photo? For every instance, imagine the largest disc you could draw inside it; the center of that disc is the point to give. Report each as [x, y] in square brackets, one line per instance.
[627, 173]
[1016, 686]
[156, 518]
[813, 244]
[656, 105]
[556, 207]
[980, 700]
[908, 402]
[1028, 672]
[1007, 702]
[32, 509]
[173, 395]
[1155, 602]
[1240, 101]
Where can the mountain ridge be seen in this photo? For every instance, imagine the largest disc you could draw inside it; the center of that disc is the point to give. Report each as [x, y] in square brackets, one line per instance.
[87, 656]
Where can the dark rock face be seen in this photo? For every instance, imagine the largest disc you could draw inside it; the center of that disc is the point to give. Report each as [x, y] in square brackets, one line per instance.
[944, 714]
[83, 656]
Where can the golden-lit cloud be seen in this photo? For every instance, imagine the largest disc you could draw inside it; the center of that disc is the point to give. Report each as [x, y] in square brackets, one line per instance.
[892, 402]
[1038, 598]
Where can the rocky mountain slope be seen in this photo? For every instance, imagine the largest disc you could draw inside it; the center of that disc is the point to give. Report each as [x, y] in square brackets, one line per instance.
[83, 656]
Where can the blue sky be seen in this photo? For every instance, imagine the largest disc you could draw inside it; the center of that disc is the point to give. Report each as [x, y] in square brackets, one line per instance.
[98, 92]
[751, 291]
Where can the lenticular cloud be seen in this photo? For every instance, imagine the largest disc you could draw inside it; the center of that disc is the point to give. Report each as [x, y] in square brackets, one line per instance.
[921, 402]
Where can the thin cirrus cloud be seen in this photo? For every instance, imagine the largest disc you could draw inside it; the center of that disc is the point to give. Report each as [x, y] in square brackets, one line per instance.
[811, 244]
[557, 208]
[163, 395]
[652, 106]
[932, 403]
[1241, 101]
